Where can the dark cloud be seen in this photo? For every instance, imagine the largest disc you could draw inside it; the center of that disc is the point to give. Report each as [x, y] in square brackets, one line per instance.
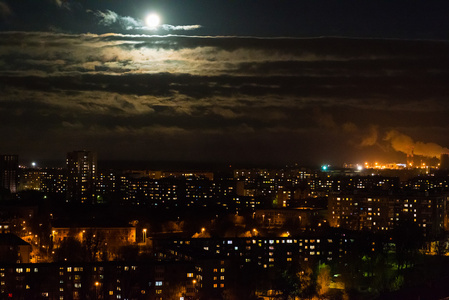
[221, 99]
[65, 4]
[5, 11]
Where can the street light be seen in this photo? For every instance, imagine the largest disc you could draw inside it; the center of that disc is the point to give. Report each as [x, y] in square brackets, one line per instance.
[96, 289]
[144, 234]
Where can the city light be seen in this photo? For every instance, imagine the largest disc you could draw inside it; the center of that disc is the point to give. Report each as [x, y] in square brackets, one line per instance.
[144, 235]
[296, 197]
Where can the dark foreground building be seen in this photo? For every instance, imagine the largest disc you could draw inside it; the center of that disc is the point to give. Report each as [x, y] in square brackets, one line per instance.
[9, 165]
[109, 280]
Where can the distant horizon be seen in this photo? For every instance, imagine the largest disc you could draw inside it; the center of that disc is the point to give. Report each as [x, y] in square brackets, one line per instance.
[176, 164]
[125, 164]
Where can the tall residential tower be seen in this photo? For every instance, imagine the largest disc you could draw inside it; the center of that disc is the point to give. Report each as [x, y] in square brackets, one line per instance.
[81, 176]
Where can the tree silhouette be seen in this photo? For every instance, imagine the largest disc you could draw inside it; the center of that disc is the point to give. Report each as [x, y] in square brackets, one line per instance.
[71, 250]
[408, 239]
[323, 279]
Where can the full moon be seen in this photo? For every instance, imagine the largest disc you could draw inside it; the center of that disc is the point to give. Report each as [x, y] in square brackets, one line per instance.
[152, 20]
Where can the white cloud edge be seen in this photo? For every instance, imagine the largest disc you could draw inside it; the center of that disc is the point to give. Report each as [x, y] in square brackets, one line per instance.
[109, 17]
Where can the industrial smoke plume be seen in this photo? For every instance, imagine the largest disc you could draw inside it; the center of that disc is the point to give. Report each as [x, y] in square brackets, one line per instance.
[404, 143]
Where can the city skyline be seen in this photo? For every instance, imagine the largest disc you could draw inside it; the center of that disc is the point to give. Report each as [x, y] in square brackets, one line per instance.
[224, 81]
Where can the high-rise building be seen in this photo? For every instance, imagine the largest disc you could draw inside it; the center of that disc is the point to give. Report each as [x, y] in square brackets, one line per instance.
[81, 176]
[9, 165]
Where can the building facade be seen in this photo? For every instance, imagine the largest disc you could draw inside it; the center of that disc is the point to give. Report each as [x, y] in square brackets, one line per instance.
[81, 176]
[9, 165]
[379, 211]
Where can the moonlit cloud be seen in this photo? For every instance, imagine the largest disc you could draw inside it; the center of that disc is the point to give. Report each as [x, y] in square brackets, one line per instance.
[235, 98]
[168, 27]
[109, 18]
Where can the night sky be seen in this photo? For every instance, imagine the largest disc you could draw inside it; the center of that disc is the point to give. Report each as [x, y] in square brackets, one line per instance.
[224, 80]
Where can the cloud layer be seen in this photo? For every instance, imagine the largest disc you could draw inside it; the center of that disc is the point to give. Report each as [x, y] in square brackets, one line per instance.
[109, 18]
[220, 99]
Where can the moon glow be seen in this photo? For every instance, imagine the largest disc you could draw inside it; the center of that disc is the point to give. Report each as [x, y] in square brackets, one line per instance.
[152, 20]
